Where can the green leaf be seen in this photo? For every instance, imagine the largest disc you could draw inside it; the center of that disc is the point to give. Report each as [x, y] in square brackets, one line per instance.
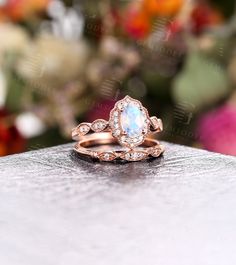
[201, 83]
[15, 92]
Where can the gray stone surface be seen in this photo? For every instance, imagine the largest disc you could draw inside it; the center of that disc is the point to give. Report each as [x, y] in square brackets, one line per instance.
[56, 209]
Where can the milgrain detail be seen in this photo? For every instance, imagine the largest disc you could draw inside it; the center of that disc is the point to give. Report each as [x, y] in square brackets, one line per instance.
[126, 155]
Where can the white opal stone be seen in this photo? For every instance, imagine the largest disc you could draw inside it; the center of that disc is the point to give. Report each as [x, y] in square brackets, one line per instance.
[132, 120]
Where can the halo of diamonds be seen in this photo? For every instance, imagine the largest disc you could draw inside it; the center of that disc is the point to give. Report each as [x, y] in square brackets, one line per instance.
[116, 126]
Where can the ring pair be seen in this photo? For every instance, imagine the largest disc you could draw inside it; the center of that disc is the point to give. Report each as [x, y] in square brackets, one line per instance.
[129, 125]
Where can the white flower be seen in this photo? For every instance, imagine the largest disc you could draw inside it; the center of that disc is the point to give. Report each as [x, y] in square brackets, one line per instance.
[13, 38]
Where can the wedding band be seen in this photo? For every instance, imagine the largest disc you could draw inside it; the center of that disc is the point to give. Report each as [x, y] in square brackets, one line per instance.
[91, 146]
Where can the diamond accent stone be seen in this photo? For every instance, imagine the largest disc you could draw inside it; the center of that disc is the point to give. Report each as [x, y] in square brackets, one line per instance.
[94, 154]
[98, 125]
[127, 156]
[117, 132]
[123, 138]
[156, 124]
[107, 156]
[83, 129]
[116, 125]
[156, 151]
[135, 155]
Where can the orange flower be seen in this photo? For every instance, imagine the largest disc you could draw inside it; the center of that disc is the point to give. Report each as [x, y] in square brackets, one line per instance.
[162, 7]
[18, 10]
[137, 23]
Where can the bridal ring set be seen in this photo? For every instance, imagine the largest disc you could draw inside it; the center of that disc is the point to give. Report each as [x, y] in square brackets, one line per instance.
[129, 126]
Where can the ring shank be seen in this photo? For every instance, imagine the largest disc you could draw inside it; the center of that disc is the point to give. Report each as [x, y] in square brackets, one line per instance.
[97, 141]
[88, 128]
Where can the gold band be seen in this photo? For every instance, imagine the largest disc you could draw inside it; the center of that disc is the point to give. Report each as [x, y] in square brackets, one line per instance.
[89, 146]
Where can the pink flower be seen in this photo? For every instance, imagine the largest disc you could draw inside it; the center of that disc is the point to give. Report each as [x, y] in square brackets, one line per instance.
[217, 130]
[101, 110]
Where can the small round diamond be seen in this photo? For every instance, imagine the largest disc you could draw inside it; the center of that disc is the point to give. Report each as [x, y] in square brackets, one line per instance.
[98, 125]
[145, 130]
[106, 157]
[116, 125]
[133, 156]
[120, 105]
[140, 138]
[123, 138]
[127, 156]
[83, 129]
[129, 140]
[95, 154]
[116, 132]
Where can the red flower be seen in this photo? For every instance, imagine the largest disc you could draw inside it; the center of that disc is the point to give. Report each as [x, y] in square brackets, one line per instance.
[10, 139]
[101, 110]
[204, 16]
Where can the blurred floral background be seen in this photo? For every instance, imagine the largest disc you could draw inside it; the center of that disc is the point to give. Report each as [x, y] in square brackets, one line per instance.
[62, 62]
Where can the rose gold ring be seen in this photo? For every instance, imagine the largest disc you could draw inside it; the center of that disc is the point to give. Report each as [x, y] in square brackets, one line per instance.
[129, 125]
[100, 147]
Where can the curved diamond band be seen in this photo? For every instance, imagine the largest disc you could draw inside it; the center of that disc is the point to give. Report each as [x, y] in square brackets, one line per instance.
[91, 147]
[101, 125]
[129, 125]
